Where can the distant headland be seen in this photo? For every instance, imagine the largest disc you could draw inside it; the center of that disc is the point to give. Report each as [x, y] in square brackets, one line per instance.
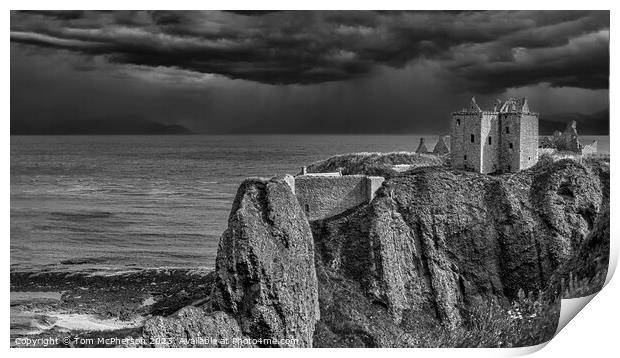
[97, 126]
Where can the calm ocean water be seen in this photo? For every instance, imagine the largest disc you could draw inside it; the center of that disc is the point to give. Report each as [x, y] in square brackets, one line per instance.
[116, 202]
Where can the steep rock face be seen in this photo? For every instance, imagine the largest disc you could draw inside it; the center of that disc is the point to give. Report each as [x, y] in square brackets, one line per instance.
[437, 243]
[562, 204]
[193, 327]
[585, 273]
[265, 265]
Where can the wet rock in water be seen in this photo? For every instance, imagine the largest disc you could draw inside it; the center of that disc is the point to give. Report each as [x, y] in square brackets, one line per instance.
[193, 327]
[265, 265]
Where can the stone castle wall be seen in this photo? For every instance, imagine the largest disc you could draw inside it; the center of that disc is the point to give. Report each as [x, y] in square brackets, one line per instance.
[587, 151]
[456, 147]
[489, 143]
[456, 140]
[466, 154]
[590, 149]
[510, 141]
[372, 185]
[528, 141]
[504, 142]
[325, 196]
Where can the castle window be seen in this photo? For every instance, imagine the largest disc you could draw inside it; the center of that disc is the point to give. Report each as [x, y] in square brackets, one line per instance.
[307, 208]
[529, 158]
[509, 167]
[490, 140]
[472, 138]
[458, 122]
[465, 157]
[507, 130]
[510, 145]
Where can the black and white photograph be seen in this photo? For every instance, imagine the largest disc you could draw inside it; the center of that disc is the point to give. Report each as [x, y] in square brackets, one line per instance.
[306, 178]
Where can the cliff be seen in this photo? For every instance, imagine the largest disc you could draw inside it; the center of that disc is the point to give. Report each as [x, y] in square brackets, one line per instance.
[436, 245]
[265, 289]
[440, 257]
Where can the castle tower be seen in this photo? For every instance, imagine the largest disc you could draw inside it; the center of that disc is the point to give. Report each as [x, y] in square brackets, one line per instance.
[472, 131]
[519, 136]
[502, 140]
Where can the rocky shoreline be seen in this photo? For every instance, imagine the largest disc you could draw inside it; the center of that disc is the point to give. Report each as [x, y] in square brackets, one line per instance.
[91, 299]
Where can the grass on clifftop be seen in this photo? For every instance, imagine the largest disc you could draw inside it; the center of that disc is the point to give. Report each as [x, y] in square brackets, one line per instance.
[375, 163]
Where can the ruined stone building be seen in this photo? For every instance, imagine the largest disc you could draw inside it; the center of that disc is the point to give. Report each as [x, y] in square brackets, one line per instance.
[322, 195]
[504, 139]
[441, 148]
[422, 149]
[568, 142]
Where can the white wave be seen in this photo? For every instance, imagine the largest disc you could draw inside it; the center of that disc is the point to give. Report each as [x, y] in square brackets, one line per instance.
[87, 322]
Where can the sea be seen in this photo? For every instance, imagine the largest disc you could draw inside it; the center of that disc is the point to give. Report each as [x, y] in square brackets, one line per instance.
[129, 202]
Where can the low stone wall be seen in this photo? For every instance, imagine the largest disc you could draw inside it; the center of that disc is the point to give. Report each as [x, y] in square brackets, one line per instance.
[325, 196]
[372, 185]
[590, 149]
[549, 151]
[586, 151]
[598, 155]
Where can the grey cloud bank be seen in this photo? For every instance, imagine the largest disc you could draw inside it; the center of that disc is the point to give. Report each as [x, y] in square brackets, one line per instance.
[299, 71]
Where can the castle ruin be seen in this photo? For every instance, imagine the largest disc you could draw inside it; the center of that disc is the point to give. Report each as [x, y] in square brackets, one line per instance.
[441, 148]
[568, 143]
[502, 140]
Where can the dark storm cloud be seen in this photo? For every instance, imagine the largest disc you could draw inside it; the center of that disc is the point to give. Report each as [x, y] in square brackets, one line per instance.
[582, 63]
[59, 14]
[300, 72]
[253, 12]
[479, 51]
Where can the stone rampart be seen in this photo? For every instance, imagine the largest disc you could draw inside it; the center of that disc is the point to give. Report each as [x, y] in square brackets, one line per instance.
[325, 196]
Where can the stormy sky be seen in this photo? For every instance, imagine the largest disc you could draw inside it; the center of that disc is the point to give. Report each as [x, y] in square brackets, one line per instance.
[368, 72]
